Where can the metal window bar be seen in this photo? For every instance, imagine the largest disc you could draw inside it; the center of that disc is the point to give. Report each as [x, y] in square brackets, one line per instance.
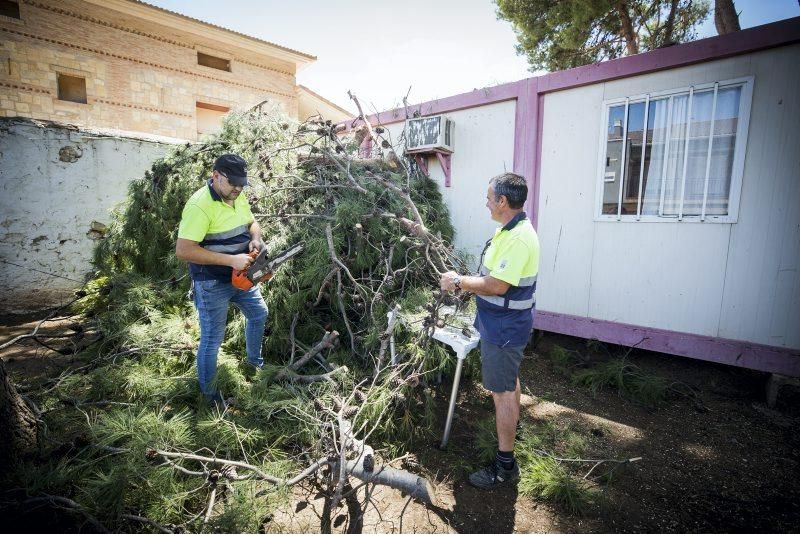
[686, 151]
[644, 151]
[623, 159]
[708, 157]
[665, 160]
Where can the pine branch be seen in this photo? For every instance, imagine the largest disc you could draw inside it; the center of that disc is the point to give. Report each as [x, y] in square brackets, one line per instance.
[327, 341]
[309, 379]
[257, 472]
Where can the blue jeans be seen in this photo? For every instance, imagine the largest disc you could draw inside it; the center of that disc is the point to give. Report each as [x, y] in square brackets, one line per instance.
[211, 298]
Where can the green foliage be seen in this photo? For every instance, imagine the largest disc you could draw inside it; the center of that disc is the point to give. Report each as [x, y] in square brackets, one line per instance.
[628, 379]
[563, 360]
[545, 478]
[541, 476]
[486, 440]
[243, 512]
[559, 436]
[51, 476]
[570, 33]
[226, 438]
[230, 378]
[144, 429]
[136, 388]
[594, 345]
[648, 389]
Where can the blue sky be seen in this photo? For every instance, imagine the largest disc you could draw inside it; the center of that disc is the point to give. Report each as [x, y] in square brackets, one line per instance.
[379, 49]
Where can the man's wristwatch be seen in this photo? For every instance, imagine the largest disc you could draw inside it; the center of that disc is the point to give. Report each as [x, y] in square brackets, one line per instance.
[457, 282]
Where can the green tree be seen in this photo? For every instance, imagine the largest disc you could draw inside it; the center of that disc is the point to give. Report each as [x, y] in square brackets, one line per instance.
[561, 34]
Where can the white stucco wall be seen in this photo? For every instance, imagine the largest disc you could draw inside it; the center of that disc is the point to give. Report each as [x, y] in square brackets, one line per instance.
[47, 205]
[738, 281]
[484, 147]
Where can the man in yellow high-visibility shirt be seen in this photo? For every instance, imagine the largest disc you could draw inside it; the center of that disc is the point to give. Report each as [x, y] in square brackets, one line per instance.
[506, 297]
[216, 233]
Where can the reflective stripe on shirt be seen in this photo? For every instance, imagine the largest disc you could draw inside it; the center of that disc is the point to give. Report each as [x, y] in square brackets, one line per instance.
[235, 248]
[512, 304]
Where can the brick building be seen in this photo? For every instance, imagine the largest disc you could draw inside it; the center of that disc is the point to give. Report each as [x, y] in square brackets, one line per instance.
[127, 65]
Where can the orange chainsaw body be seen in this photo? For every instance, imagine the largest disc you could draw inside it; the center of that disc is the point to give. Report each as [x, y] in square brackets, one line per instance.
[239, 279]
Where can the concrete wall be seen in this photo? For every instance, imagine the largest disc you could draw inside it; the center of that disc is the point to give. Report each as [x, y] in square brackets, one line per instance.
[140, 75]
[54, 182]
[732, 280]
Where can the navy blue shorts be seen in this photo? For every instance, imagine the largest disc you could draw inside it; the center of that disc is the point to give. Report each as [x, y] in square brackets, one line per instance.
[500, 366]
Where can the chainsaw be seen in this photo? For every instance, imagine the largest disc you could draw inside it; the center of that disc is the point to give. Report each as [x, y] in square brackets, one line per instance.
[263, 267]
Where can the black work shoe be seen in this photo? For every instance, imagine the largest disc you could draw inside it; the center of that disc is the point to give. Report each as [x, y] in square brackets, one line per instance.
[494, 475]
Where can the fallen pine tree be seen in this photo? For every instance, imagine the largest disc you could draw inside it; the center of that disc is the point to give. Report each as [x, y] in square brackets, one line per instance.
[127, 440]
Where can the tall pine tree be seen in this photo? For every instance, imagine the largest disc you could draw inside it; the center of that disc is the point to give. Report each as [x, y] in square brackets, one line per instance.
[561, 34]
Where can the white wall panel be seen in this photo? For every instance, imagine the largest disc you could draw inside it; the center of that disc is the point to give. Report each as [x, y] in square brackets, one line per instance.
[484, 147]
[739, 281]
[566, 206]
[762, 285]
[724, 69]
[668, 276]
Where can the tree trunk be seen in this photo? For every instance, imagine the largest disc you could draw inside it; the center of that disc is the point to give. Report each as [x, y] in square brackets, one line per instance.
[17, 423]
[669, 25]
[631, 42]
[409, 483]
[726, 18]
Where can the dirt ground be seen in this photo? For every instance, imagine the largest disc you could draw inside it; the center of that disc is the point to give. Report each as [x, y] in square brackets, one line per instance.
[727, 464]
[31, 359]
[730, 467]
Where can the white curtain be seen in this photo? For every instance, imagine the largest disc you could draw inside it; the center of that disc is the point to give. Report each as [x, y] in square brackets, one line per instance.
[654, 164]
[699, 134]
[726, 121]
[677, 148]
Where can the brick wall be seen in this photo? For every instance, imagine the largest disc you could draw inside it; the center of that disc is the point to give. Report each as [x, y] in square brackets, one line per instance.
[140, 76]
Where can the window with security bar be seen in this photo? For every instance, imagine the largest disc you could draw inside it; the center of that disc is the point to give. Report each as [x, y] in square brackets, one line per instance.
[675, 155]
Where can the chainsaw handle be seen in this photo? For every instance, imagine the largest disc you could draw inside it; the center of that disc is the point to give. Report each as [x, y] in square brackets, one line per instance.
[239, 277]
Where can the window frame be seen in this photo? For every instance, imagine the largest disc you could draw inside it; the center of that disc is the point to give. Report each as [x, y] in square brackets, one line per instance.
[737, 169]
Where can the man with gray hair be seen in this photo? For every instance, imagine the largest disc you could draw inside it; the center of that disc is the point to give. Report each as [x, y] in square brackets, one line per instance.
[505, 292]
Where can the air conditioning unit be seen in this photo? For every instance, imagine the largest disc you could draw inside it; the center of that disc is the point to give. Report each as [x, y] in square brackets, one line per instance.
[430, 134]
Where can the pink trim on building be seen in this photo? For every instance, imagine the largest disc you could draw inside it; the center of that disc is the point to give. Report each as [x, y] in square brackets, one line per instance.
[525, 138]
[478, 97]
[535, 179]
[712, 349]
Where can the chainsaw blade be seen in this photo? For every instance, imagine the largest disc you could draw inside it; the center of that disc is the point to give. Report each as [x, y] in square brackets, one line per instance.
[261, 268]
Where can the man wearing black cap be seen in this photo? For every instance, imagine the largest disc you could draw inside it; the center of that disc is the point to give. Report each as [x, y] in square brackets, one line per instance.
[216, 233]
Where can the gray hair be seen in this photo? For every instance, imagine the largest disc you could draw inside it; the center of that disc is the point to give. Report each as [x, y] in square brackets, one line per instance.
[512, 186]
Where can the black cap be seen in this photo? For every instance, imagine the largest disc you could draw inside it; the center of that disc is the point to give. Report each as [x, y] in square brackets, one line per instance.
[233, 167]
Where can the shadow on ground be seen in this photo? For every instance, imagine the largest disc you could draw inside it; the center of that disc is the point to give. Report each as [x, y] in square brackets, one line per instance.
[725, 463]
